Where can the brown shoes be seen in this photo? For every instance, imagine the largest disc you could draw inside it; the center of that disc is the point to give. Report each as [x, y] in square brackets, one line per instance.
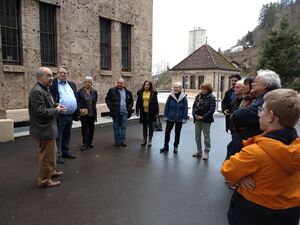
[50, 184]
[57, 174]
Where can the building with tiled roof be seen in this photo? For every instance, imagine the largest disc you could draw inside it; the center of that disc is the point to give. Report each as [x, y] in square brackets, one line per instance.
[204, 65]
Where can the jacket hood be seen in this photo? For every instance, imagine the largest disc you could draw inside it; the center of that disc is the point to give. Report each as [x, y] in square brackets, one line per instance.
[181, 96]
[283, 146]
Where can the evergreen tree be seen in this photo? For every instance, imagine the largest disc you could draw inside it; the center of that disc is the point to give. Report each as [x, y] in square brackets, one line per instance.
[248, 40]
[281, 52]
[268, 15]
[285, 3]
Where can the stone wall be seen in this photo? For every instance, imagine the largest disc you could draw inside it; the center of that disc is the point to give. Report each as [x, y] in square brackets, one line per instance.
[78, 46]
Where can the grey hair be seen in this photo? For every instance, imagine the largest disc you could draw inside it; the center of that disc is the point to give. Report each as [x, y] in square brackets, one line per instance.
[40, 72]
[179, 84]
[62, 67]
[270, 78]
[240, 82]
[88, 78]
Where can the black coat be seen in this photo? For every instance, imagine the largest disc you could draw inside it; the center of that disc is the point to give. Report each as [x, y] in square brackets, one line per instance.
[245, 120]
[153, 106]
[55, 94]
[205, 106]
[42, 113]
[245, 123]
[83, 103]
[226, 104]
[113, 101]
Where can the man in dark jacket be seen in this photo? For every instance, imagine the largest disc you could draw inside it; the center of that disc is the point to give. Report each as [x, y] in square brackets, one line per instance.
[228, 99]
[65, 93]
[119, 100]
[43, 126]
[245, 120]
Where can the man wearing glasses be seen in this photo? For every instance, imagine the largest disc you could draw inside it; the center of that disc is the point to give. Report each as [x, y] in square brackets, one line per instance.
[64, 92]
[245, 120]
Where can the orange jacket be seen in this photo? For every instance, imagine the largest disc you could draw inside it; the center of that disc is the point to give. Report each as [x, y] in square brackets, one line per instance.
[275, 168]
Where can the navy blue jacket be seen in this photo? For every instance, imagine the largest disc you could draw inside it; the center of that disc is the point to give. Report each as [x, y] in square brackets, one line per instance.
[176, 110]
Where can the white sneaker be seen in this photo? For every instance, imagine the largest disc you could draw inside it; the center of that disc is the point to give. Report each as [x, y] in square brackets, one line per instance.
[205, 156]
[198, 154]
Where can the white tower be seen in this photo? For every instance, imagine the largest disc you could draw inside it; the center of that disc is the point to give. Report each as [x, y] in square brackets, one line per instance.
[197, 38]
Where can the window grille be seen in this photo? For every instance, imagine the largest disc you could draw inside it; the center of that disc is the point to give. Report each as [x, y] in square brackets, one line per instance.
[10, 31]
[126, 47]
[105, 44]
[48, 34]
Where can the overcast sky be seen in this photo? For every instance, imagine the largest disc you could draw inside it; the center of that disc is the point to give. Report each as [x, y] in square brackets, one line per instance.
[224, 21]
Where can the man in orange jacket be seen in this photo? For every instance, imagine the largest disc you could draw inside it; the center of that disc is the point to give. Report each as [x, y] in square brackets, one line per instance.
[268, 167]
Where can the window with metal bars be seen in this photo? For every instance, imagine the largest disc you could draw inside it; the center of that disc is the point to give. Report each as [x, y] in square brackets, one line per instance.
[200, 81]
[193, 82]
[126, 47]
[105, 44]
[48, 34]
[10, 31]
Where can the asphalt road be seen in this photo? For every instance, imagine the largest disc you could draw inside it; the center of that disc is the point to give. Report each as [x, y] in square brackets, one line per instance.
[111, 185]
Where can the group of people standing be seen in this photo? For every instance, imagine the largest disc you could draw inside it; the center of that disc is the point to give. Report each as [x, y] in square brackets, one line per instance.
[262, 161]
[262, 158]
[53, 105]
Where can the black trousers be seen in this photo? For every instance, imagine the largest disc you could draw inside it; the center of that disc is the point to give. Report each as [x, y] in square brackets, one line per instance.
[169, 127]
[235, 145]
[147, 124]
[243, 212]
[87, 129]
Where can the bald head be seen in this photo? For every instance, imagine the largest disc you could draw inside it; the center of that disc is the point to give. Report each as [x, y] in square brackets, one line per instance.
[238, 89]
[44, 76]
[121, 83]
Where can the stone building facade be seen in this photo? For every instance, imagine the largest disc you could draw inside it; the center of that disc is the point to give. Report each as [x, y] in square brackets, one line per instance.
[76, 43]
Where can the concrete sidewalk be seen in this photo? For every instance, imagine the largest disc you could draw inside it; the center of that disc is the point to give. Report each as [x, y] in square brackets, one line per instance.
[24, 131]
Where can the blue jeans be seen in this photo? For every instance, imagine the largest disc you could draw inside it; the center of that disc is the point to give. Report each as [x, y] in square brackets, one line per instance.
[64, 125]
[120, 124]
